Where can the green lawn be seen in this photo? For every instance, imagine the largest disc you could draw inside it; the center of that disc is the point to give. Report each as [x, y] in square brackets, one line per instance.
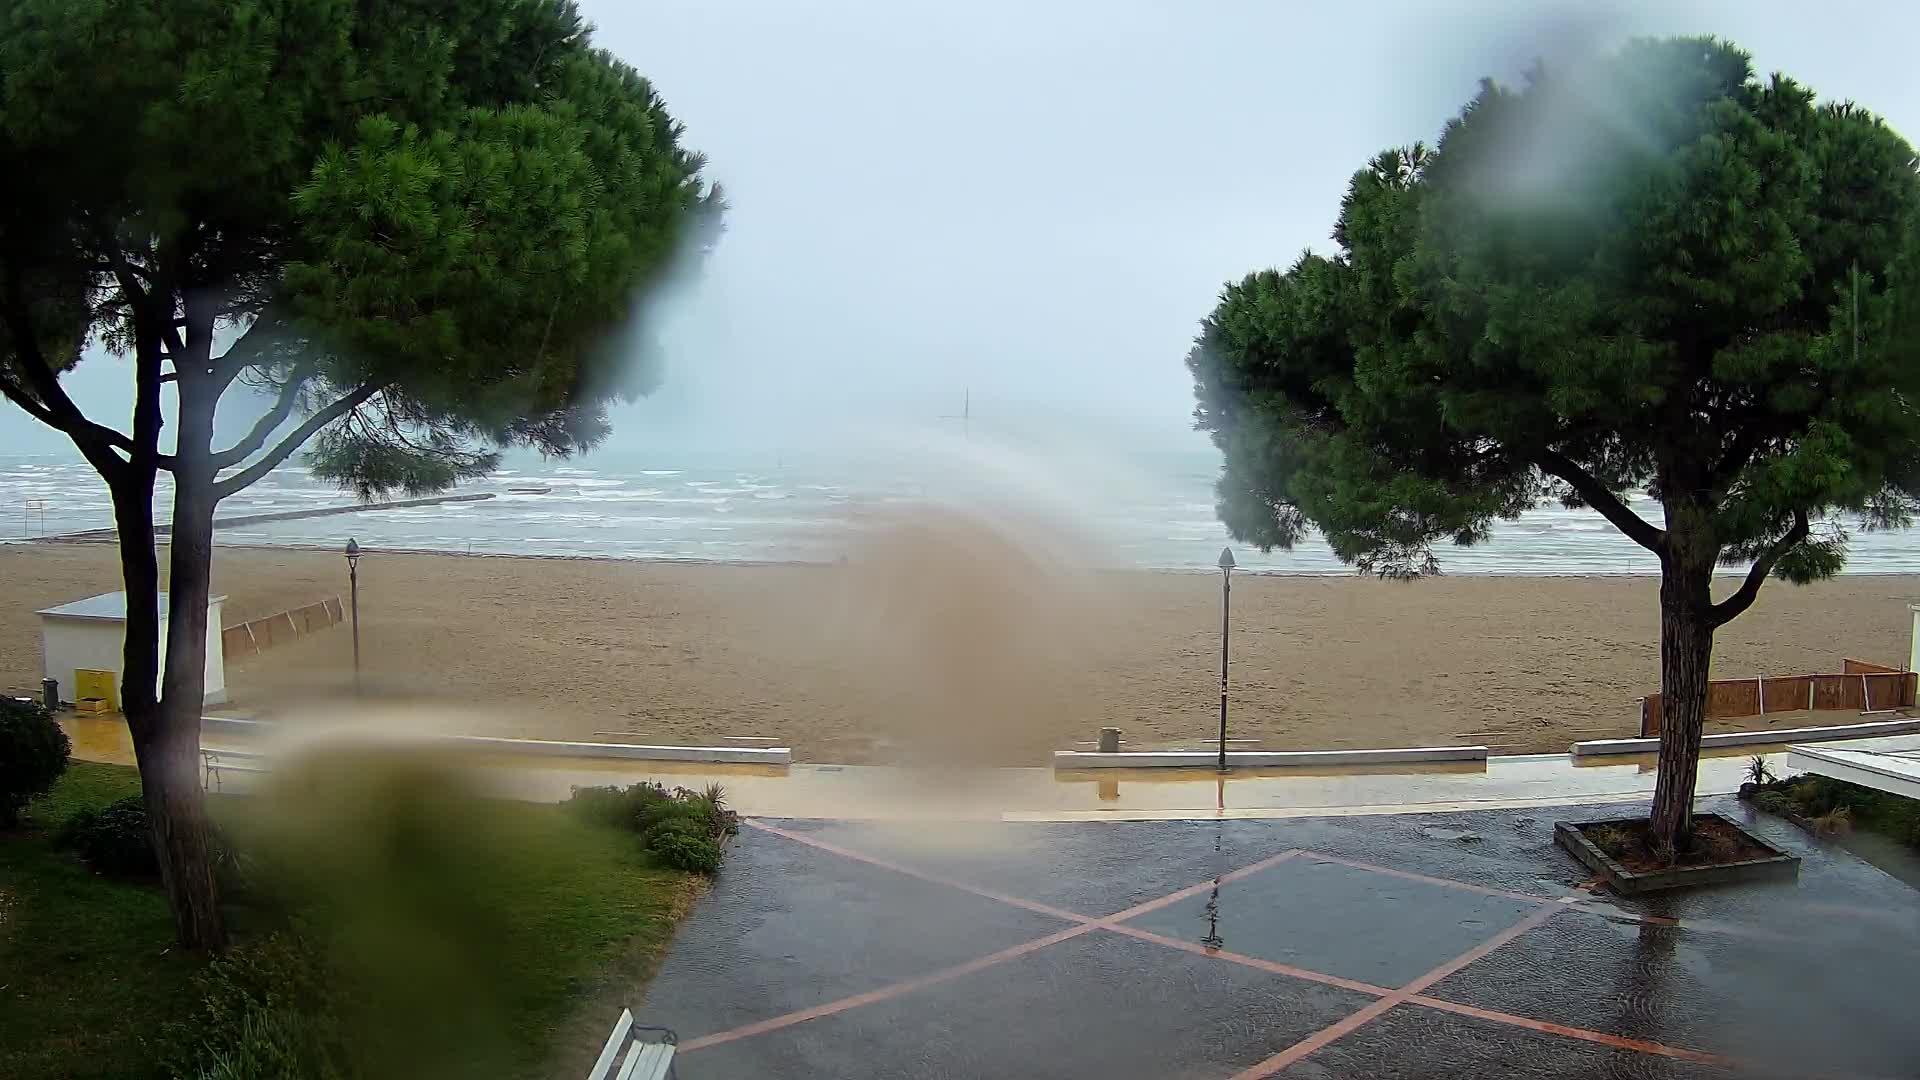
[86, 962]
[574, 919]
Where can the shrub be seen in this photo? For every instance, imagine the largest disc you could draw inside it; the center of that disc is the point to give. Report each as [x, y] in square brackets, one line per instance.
[682, 827]
[1835, 822]
[33, 754]
[264, 1014]
[114, 840]
[620, 808]
[1757, 771]
[684, 848]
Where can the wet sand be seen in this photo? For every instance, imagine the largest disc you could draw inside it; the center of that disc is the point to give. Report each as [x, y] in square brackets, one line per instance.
[694, 653]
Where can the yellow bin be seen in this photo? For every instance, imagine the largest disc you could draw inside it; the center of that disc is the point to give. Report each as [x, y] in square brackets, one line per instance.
[92, 683]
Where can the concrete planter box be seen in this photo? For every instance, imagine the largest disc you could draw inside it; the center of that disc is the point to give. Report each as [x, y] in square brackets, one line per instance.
[1777, 866]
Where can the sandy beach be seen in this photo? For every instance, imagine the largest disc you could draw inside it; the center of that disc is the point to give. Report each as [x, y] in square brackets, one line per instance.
[856, 664]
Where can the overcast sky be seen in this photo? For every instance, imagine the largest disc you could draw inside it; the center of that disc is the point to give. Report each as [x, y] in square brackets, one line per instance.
[1040, 200]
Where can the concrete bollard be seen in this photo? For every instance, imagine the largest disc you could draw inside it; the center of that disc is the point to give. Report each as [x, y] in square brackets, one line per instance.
[1109, 740]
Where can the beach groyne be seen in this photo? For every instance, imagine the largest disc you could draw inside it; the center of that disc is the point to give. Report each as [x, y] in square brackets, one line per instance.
[94, 536]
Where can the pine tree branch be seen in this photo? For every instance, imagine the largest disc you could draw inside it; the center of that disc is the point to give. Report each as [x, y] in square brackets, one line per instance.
[241, 480]
[266, 425]
[1726, 610]
[51, 405]
[31, 407]
[1595, 494]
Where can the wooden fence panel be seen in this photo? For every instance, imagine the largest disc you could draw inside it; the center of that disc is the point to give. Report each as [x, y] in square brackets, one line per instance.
[1864, 687]
[1728, 697]
[1837, 692]
[1886, 690]
[235, 641]
[1787, 693]
[250, 638]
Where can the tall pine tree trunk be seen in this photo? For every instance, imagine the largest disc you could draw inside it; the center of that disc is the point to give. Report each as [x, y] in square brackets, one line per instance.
[170, 758]
[1686, 653]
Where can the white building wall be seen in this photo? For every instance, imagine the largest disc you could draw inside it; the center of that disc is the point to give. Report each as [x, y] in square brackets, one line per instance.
[68, 644]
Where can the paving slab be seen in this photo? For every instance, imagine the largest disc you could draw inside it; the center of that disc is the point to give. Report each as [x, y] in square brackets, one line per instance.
[1338, 920]
[787, 928]
[1094, 1006]
[1411, 1043]
[1814, 1010]
[836, 949]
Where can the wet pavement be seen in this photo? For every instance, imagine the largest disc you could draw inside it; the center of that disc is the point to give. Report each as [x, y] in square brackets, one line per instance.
[1433, 945]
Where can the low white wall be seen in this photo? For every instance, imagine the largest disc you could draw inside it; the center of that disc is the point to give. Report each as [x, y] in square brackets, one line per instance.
[714, 755]
[1868, 730]
[1882, 772]
[1197, 759]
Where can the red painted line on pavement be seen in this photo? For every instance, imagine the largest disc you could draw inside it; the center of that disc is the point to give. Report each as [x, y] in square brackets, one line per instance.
[847, 853]
[1616, 1041]
[892, 991]
[1340, 1029]
[1197, 888]
[1325, 1036]
[1411, 876]
[1477, 952]
[1083, 925]
[1388, 999]
[1251, 961]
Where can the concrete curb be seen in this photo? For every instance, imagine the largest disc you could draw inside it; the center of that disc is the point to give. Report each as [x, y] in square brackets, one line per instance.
[715, 755]
[1199, 759]
[1755, 738]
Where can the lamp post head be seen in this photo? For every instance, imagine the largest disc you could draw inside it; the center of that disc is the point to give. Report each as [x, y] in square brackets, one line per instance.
[353, 550]
[1226, 559]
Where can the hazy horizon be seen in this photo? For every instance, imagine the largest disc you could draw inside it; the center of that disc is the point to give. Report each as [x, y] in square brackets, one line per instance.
[1035, 208]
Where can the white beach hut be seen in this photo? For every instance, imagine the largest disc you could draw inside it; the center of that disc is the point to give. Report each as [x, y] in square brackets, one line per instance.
[90, 634]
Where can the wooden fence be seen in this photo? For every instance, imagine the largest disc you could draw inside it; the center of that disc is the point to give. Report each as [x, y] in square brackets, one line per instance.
[1859, 687]
[259, 635]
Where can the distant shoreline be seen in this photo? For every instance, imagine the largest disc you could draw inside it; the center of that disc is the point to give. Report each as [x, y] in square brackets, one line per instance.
[96, 537]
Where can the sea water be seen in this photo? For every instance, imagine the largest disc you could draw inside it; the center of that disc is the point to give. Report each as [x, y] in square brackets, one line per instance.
[1149, 508]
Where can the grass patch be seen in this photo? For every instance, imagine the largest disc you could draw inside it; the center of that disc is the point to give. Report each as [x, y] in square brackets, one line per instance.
[88, 972]
[481, 924]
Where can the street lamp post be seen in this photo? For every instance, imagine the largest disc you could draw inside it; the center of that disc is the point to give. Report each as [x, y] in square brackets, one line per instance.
[1226, 590]
[353, 588]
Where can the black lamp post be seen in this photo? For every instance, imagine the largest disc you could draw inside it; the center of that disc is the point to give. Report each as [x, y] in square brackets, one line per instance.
[353, 587]
[1226, 590]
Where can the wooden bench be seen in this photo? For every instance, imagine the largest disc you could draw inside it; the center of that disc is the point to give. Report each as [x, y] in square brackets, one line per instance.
[644, 1060]
[217, 762]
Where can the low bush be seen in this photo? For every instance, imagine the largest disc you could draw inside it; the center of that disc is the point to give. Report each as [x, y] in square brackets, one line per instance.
[33, 754]
[265, 1013]
[681, 846]
[681, 827]
[1835, 807]
[113, 840]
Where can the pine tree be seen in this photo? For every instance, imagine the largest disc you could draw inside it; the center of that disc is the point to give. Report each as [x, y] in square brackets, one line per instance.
[1650, 272]
[419, 226]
